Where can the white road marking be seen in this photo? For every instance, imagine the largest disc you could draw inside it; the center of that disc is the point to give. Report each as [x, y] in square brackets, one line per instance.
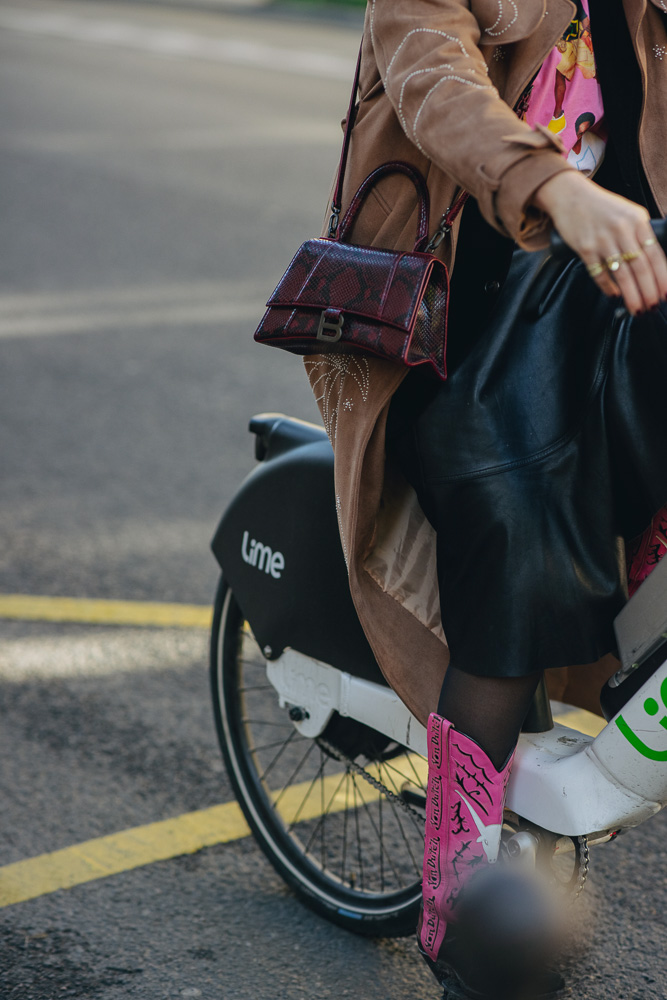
[100, 651]
[273, 132]
[206, 313]
[177, 44]
[197, 303]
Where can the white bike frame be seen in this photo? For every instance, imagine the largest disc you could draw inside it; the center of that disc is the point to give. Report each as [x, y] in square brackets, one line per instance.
[563, 780]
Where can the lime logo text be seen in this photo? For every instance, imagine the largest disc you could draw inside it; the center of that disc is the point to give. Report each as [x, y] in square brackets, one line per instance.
[262, 557]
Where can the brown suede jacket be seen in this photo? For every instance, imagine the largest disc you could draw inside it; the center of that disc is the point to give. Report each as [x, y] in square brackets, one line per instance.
[439, 79]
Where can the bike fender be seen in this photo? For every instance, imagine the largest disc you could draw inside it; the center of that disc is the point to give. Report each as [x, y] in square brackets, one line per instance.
[279, 547]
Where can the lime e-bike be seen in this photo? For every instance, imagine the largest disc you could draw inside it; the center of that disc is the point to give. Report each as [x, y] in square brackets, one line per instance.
[327, 763]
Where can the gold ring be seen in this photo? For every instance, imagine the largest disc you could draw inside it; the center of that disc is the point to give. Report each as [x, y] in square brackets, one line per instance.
[595, 270]
[614, 262]
[650, 242]
[631, 254]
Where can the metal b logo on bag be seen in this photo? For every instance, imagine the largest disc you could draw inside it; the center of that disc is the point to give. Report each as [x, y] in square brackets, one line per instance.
[331, 319]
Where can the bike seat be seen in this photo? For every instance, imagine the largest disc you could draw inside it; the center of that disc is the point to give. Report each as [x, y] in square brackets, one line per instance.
[276, 433]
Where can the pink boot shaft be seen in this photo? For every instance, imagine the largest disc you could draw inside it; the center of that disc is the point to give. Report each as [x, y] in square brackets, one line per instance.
[464, 816]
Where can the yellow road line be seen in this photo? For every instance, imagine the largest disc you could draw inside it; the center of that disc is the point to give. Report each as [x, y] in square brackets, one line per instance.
[585, 722]
[100, 612]
[93, 612]
[120, 852]
[144, 845]
[191, 832]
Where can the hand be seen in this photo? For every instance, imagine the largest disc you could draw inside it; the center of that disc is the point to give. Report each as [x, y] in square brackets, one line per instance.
[599, 225]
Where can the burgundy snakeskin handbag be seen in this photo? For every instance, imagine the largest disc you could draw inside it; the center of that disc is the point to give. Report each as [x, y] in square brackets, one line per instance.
[347, 299]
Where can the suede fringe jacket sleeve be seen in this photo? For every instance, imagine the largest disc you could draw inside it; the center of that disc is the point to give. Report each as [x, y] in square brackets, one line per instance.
[431, 61]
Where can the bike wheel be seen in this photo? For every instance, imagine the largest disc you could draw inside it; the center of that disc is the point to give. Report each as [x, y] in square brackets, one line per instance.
[348, 850]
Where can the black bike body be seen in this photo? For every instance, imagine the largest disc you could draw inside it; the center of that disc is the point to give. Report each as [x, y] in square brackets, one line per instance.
[279, 547]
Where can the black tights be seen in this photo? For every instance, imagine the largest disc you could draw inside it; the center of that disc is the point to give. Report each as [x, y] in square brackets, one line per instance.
[490, 710]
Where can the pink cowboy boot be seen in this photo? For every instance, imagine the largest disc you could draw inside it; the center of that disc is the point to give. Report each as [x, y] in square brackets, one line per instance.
[464, 817]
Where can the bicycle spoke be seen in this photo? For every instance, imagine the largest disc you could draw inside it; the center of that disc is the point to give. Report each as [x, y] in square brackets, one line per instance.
[317, 777]
[277, 756]
[350, 840]
[398, 876]
[346, 776]
[401, 774]
[325, 812]
[269, 746]
[396, 789]
[291, 778]
[381, 838]
[419, 780]
[356, 819]
[322, 816]
[264, 722]
[397, 816]
[256, 662]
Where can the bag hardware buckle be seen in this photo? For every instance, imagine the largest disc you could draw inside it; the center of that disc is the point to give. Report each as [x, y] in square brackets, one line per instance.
[327, 324]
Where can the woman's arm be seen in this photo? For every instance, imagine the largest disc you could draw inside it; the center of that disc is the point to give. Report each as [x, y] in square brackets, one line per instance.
[436, 77]
[598, 224]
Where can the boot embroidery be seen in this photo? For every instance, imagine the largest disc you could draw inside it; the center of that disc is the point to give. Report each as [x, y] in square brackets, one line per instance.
[436, 747]
[489, 834]
[478, 776]
[435, 800]
[432, 863]
[459, 820]
[459, 858]
[473, 775]
[474, 793]
[431, 923]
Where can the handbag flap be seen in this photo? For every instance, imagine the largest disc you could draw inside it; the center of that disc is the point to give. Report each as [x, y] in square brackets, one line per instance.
[382, 285]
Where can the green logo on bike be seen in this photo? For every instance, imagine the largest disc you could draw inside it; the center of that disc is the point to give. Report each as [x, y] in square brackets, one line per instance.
[651, 707]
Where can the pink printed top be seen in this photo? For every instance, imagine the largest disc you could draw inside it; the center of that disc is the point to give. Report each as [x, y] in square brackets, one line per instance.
[566, 97]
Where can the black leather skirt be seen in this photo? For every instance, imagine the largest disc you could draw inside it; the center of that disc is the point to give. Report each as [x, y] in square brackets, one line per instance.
[543, 452]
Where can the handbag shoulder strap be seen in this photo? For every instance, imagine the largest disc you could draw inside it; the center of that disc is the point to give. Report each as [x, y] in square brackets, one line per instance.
[349, 122]
[448, 217]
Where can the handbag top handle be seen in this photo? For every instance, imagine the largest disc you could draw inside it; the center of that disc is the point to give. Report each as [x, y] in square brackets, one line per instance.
[393, 167]
[447, 220]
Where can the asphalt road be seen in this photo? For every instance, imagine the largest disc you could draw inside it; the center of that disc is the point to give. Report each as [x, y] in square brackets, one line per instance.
[159, 167]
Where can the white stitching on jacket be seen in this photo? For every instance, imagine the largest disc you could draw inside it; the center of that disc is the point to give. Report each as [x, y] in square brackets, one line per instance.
[416, 72]
[458, 79]
[495, 34]
[416, 31]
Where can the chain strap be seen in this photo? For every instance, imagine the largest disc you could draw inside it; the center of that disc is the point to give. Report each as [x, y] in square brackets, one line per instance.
[443, 229]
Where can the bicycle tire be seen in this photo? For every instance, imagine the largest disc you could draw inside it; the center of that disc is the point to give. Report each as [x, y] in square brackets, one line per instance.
[370, 885]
